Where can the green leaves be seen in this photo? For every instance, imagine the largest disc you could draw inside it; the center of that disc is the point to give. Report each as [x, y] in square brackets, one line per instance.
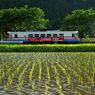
[47, 48]
[81, 20]
[22, 19]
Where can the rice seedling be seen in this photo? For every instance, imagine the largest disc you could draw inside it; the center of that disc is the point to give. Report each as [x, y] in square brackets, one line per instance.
[48, 72]
[30, 77]
[21, 76]
[31, 72]
[57, 80]
[8, 84]
[40, 72]
[46, 87]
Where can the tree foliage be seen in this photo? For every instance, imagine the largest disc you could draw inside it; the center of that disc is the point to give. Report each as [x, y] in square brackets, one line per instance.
[22, 19]
[81, 20]
[54, 9]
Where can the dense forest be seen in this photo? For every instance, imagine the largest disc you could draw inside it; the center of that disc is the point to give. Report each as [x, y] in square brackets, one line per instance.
[54, 10]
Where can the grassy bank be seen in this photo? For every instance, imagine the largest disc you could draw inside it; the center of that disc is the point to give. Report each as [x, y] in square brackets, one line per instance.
[47, 48]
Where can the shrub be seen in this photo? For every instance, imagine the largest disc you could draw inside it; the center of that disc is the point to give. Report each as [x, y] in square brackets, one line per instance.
[47, 48]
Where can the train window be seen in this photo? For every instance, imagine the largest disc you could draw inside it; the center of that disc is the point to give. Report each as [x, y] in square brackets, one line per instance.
[48, 35]
[61, 35]
[36, 35]
[16, 35]
[30, 35]
[73, 35]
[10, 36]
[42, 35]
[54, 35]
[24, 36]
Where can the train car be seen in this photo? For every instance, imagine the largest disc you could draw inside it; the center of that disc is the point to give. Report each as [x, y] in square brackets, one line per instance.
[44, 36]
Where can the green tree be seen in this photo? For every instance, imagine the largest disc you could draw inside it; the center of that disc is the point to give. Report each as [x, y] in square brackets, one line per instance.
[81, 20]
[30, 19]
[22, 19]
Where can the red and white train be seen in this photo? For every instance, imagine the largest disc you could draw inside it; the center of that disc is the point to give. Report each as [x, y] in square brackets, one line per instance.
[44, 36]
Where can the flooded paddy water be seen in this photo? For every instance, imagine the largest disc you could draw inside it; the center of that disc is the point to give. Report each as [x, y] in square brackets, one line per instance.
[49, 73]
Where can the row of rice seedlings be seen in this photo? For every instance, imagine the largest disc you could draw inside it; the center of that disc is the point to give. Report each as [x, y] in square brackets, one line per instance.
[57, 79]
[69, 79]
[92, 73]
[11, 73]
[82, 71]
[76, 72]
[10, 67]
[2, 76]
[31, 72]
[48, 72]
[31, 75]
[48, 79]
[9, 82]
[88, 78]
[73, 68]
[5, 69]
[9, 79]
[2, 73]
[18, 68]
[21, 76]
[83, 78]
[40, 72]
[46, 87]
[65, 73]
[78, 67]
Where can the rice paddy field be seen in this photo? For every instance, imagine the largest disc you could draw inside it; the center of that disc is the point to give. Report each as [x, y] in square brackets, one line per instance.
[47, 73]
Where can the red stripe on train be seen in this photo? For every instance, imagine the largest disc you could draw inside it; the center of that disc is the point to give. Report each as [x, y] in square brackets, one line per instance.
[48, 39]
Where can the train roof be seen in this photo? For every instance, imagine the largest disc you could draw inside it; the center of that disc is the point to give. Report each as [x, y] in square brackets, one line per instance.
[49, 31]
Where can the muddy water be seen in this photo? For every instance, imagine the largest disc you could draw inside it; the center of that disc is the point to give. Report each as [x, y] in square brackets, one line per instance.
[75, 76]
